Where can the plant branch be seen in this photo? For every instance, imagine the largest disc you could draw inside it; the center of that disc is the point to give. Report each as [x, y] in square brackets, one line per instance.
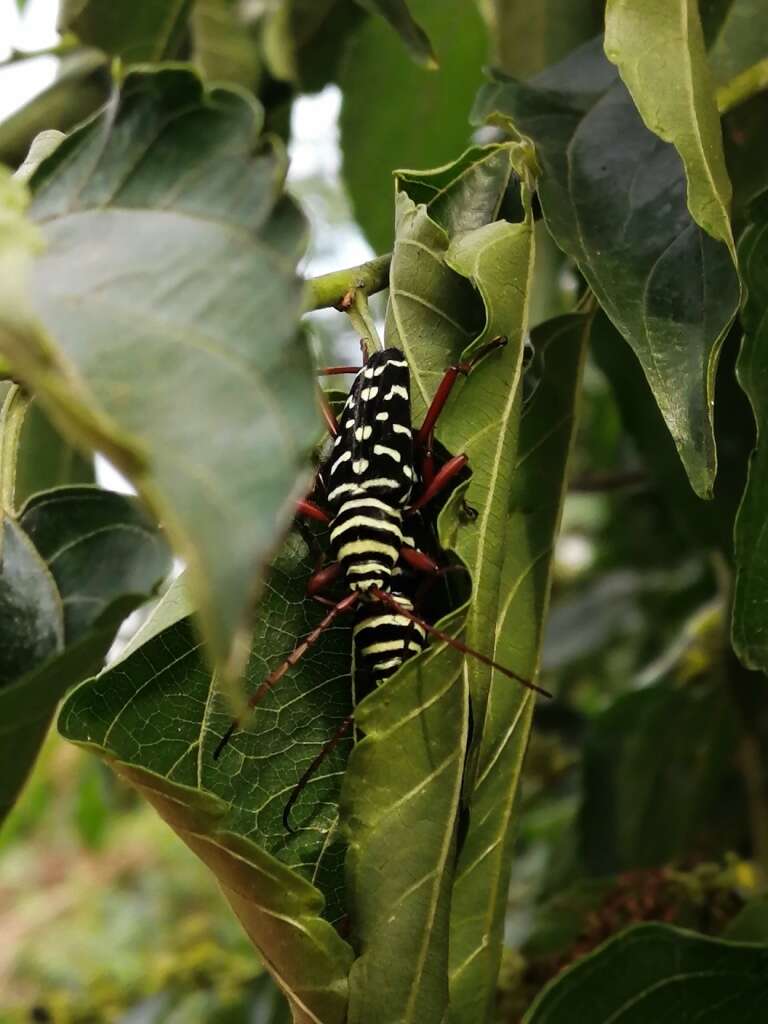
[334, 289]
[61, 49]
[743, 86]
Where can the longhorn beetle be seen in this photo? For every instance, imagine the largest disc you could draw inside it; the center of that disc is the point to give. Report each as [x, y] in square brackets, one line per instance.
[369, 480]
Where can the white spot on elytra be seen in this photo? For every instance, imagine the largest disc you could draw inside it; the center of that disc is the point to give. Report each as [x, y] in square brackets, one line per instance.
[368, 393]
[359, 465]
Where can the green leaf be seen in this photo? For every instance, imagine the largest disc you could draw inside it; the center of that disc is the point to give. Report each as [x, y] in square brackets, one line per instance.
[741, 39]
[458, 278]
[751, 922]
[44, 459]
[671, 85]
[656, 765]
[80, 86]
[171, 301]
[89, 539]
[157, 716]
[654, 972]
[539, 460]
[396, 114]
[287, 30]
[136, 30]
[529, 37]
[699, 525]
[62, 604]
[750, 598]
[401, 827]
[412, 34]
[746, 155]
[613, 197]
[223, 49]
[30, 606]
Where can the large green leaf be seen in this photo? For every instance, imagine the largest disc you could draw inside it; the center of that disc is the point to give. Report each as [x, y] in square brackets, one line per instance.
[532, 521]
[656, 765]
[654, 972]
[740, 39]
[613, 195]
[671, 85]
[397, 114]
[158, 714]
[136, 30]
[458, 277]
[44, 459]
[170, 299]
[529, 37]
[67, 581]
[750, 600]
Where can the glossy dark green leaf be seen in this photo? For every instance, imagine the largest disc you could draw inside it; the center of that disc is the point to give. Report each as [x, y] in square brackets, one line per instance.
[170, 299]
[62, 603]
[158, 714]
[89, 540]
[136, 30]
[396, 12]
[396, 114]
[656, 765]
[529, 37]
[30, 607]
[613, 196]
[655, 972]
[80, 86]
[698, 524]
[750, 600]
[673, 90]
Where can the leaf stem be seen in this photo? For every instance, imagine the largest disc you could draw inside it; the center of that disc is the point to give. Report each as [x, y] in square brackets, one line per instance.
[11, 421]
[67, 45]
[334, 289]
[359, 314]
[743, 86]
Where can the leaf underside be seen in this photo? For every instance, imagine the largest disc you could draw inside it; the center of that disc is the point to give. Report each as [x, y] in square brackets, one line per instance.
[170, 299]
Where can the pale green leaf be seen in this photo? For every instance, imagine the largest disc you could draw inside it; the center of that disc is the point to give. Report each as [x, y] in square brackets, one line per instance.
[170, 300]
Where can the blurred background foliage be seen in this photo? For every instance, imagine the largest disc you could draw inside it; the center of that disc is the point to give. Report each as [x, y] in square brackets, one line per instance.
[644, 794]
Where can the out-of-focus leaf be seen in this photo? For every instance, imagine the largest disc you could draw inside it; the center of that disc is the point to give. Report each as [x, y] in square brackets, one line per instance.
[157, 716]
[412, 34]
[656, 765]
[304, 41]
[396, 114]
[740, 39]
[529, 37]
[613, 195]
[750, 600]
[62, 605]
[80, 87]
[750, 924]
[170, 297]
[42, 146]
[45, 460]
[136, 30]
[655, 972]
[671, 85]
[746, 154]
[223, 48]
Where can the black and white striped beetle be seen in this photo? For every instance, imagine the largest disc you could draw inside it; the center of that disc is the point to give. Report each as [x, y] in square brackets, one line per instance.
[368, 480]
